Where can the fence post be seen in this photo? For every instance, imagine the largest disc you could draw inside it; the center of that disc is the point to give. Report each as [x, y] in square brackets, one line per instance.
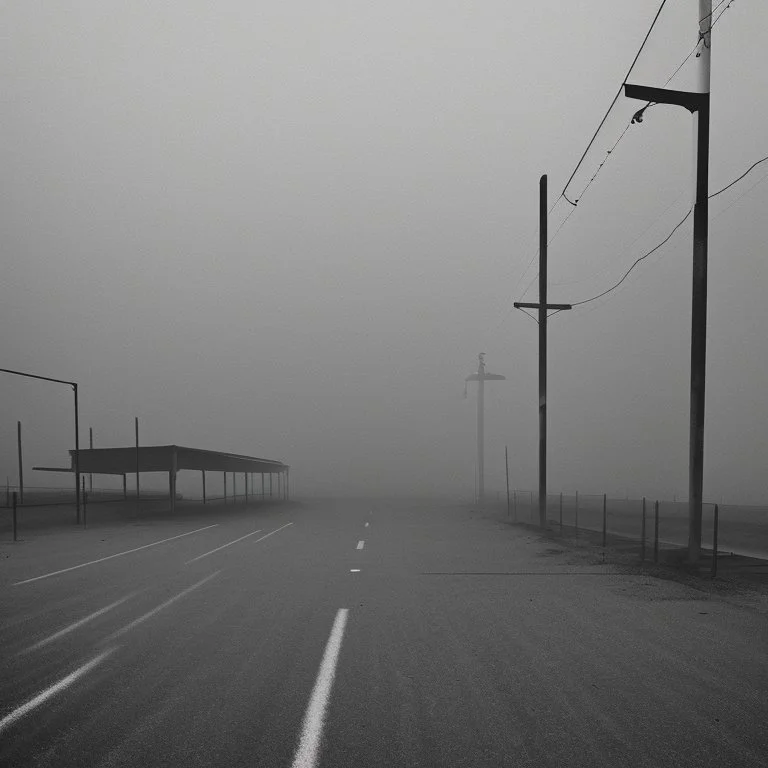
[577, 515]
[561, 513]
[642, 535]
[656, 533]
[506, 465]
[714, 543]
[14, 517]
[605, 515]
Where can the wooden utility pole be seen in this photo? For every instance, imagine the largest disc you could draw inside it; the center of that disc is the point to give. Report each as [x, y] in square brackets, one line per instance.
[481, 377]
[543, 308]
[697, 102]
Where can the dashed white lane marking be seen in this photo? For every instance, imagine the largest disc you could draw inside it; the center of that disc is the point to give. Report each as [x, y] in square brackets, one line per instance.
[354, 570]
[118, 554]
[367, 524]
[65, 682]
[77, 624]
[308, 753]
[149, 614]
[223, 546]
[360, 544]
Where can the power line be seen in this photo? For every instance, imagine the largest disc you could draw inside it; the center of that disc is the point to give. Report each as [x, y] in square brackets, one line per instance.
[638, 116]
[667, 238]
[615, 99]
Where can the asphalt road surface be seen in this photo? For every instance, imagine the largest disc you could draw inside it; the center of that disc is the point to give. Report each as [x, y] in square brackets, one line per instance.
[364, 633]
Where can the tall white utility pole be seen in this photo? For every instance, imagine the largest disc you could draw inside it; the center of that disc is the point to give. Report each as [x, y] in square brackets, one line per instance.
[697, 102]
[481, 377]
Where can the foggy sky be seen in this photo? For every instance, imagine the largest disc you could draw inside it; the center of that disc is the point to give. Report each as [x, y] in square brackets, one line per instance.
[287, 229]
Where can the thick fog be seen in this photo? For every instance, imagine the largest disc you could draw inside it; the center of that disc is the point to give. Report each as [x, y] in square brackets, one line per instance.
[288, 229]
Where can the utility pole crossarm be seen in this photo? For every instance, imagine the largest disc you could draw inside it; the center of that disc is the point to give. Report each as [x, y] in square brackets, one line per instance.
[691, 100]
[536, 305]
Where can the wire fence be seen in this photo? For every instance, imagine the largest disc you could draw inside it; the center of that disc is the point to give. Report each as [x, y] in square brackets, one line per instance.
[653, 525]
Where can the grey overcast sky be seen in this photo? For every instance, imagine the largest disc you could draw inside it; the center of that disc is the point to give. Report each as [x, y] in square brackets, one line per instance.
[286, 229]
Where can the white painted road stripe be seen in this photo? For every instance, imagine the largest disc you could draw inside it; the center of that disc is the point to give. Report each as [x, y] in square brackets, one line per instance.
[109, 557]
[308, 753]
[223, 546]
[367, 524]
[354, 570]
[77, 624]
[149, 614]
[360, 544]
[65, 682]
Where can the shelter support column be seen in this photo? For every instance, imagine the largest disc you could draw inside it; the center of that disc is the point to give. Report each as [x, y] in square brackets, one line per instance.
[173, 473]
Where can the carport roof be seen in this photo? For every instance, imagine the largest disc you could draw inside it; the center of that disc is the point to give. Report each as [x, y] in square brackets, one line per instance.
[165, 458]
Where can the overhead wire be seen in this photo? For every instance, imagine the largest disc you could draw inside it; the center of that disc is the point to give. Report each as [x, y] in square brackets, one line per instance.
[638, 116]
[608, 111]
[667, 238]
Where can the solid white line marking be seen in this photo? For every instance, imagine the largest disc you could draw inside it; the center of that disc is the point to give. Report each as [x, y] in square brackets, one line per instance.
[367, 524]
[65, 682]
[223, 546]
[149, 614]
[360, 544]
[312, 729]
[73, 627]
[109, 557]
[354, 570]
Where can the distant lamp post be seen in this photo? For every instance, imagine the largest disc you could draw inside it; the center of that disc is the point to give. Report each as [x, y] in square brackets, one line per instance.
[481, 377]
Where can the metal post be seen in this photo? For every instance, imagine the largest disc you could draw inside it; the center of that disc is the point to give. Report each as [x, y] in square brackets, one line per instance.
[270, 484]
[225, 487]
[714, 542]
[234, 487]
[125, 486]
[642, 534]
[204, 499]
[77, 453]
[514, 503]
[262, 485]
[481, 432]
[561, 512]
[90, 445]
[543, 351]
[14, 517]
[85, 506]
[245, 478]
[656, 533]
[21, 463]
[174, 473]
[288, 485]
[506, 466]
[605, 517]
[138, 488]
